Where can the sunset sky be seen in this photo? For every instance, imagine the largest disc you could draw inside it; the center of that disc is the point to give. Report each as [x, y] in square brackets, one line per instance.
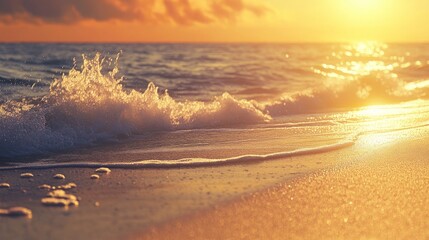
[213, 20]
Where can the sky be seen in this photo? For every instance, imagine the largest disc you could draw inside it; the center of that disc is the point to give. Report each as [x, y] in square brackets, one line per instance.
[213, 20]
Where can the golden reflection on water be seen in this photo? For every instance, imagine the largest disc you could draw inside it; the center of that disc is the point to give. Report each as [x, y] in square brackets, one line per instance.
[370, 73]
[386, 124]
[417, 85]
[379, 111]
[374, 140]
[358, 59]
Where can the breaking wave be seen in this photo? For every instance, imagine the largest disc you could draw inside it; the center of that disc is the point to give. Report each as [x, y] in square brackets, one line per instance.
[358, 75]
[87, 105]
[370, 90]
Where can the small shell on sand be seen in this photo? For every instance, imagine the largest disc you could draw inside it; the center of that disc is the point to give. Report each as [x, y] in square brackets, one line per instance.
[59, 176]
[16, 212]
[59, 202]
[44, 186]
[26, 175]
[103, 170]
[4, 185]
[95, 176]
[97, 204]
[59, 198]
[61, 194]
[67, 186]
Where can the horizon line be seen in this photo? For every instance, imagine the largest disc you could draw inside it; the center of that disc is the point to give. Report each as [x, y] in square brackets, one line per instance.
[210, 42]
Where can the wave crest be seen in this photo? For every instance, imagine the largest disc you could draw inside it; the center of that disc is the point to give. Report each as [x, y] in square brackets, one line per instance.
[361, 91]
[88, 105]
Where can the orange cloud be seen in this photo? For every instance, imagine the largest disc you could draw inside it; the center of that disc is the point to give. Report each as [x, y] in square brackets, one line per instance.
[227, 9]
[180, 12]
[68, 11]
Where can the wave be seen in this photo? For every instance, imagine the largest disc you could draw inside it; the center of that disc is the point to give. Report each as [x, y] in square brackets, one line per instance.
[189, 162]
[20, 82]
[209, 162]
[360, 92]
[87, 105]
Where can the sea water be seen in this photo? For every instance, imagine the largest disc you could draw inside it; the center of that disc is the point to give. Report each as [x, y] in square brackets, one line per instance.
[175, 105]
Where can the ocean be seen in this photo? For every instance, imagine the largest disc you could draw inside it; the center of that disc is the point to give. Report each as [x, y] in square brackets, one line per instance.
[176, 105]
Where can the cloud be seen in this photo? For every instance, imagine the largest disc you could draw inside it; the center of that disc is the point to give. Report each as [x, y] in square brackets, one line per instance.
[227, 9]
[181, 12]
[70, 11]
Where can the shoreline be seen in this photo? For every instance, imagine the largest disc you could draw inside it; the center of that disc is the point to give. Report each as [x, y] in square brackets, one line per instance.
[377, 195]
[140, 202]
[137, 199]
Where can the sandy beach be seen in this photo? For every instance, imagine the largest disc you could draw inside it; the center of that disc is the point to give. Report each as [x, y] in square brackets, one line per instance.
[126, 202]
[374, 189]
[380, 194]
[214, 119]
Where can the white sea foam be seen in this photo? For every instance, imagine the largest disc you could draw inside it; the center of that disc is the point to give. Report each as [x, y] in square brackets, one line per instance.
[86, 105]
[354, 93]
[206, 162]
[189, 162]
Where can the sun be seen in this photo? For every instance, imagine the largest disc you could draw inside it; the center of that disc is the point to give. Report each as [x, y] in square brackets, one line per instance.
[362, 14]
[363, 4]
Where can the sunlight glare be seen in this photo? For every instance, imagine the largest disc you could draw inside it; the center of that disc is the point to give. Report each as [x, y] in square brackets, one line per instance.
[363, 13]
[379, 110]
[363, 4]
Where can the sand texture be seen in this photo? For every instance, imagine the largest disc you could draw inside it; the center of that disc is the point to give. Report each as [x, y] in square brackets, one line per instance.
[126, 202]
[374, 189]
[382, 194]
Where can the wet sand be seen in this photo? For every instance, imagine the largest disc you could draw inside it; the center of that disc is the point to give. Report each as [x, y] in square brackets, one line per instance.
[376, 188]
[127, 202]
[381, 194]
